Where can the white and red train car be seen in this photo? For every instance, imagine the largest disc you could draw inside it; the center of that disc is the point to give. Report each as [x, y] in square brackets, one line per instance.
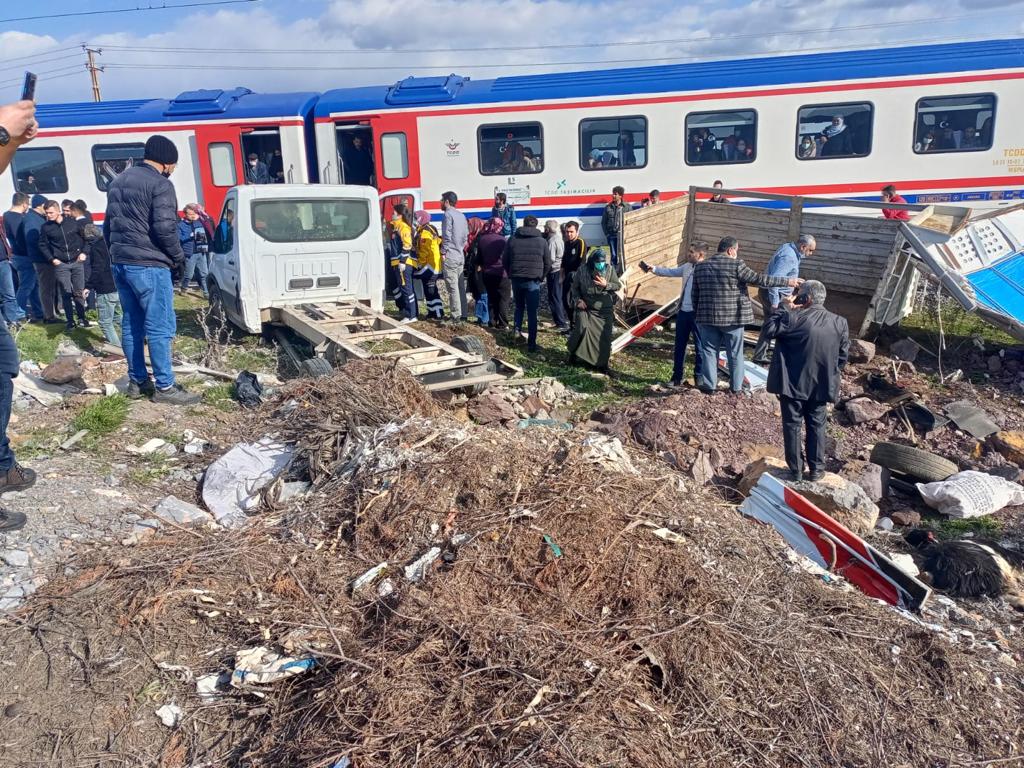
[941, 122]
[81, 147]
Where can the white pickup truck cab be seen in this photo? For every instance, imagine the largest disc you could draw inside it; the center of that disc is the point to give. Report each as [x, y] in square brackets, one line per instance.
[279, 245]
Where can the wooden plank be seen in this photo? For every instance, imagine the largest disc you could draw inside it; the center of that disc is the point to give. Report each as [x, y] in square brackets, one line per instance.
[470, 381]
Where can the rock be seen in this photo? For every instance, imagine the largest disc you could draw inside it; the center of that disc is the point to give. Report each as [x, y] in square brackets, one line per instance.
[884, 524]
[181, 512]
[905, 349]
[995, 364]
[701, 470]
[491, 409]
[872, 478]
[64, 370]
[533, 405]
[863, 409]
[112, 480]
[861, 351]
[16, 558]
[68, 348]
[906, 518]
[773, 466]
[1010, 445]
[842, 500]
[656, 430]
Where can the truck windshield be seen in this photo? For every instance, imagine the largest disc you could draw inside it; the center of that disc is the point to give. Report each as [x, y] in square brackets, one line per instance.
[309, 221]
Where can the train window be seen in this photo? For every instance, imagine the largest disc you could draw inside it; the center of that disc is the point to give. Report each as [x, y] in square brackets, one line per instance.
[510, 148]
[109, 160]
[222, 164]
[717, 138]
[954, 123]
[310, 221]
[39, 169]
[613, 143]
[826, 131]
[394, 151]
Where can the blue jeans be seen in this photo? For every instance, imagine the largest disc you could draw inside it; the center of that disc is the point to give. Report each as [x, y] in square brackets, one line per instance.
[147, 298]
[108, 308]
[613, 249]
[28, 286]
[712, 339]
[12, 313]
[555, 300]
[199, 265]
[6, 395]
[526, 294]
[686, 326]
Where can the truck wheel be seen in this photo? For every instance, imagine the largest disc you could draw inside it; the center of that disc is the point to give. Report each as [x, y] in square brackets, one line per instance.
[316, 368]
[913, 462]
[472, 345]
[478, 389]
[216, 301]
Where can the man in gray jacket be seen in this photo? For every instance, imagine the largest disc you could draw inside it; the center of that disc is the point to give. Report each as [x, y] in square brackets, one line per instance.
[454, 235]
[141, 230]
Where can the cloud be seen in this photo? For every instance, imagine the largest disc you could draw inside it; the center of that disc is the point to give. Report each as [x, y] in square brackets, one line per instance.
[729, 29]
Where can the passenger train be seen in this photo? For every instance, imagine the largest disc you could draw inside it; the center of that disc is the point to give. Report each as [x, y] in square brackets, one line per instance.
[937, 121]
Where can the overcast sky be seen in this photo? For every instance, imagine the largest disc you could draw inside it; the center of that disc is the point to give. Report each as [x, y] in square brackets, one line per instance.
[306, 30]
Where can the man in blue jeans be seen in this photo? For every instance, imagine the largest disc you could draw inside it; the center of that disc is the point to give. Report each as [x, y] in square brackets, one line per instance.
[686, 319]
[527, 263]
[141, 228]
[27, 294]
[723, 308]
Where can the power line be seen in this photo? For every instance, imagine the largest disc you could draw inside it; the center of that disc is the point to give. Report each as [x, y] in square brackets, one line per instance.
[29, 64]
[612, 44]
[476, 65]
[48, 75]
[46, 52]
[136, 9]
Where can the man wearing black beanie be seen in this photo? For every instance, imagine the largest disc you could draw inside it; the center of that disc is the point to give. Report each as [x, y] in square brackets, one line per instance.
[141, 229]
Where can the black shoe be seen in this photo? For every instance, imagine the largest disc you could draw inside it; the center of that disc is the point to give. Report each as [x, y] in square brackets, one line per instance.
[69, 326]
[815, 475]
[84, 323]
[17, 478]
[796, 476]
[11, 521]
[175, 396]
[138, 391]
[533, 349]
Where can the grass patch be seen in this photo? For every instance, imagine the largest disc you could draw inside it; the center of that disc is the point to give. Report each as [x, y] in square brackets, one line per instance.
[102, 416]
[959, 327]
[984, 526]
[220, 396]
[152, 468]
[39, 342]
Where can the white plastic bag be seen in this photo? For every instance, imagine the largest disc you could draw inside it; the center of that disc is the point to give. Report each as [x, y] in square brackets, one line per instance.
[971, 494]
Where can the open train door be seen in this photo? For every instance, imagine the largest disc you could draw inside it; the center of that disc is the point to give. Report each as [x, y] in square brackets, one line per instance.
[221, 166]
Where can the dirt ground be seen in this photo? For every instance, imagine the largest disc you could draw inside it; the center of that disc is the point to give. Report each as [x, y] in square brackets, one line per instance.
[605, 611]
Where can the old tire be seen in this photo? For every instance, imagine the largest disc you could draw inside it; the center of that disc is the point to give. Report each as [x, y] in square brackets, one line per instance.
[913, 462]
[472, 345]
[216, 301]
[316, 368]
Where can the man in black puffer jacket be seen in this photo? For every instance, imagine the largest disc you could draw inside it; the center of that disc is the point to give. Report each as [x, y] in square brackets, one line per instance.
[527, 263]
[101, 282]
[141, 230]
[61, 243]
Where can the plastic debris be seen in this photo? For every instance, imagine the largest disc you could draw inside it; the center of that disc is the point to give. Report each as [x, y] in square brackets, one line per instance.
[232, 483]
[154, 445]
[609, 453]
[418, 570]
[170, 715]
[208, 686]
[369, 577]
[667, 534]
[248, 390]
[555, 549]
[192, 444]
[971, 494]
[343, 763]
[260, 666]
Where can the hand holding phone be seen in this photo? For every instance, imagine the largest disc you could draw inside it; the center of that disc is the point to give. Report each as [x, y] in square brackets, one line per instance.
[644, 266]
[28, 90]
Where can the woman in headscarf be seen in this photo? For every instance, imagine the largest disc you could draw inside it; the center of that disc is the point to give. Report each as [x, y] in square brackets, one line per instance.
[836, 139]
[593, 294]
[471, 270]
[807, 150]
[490, 248]
[428, 263]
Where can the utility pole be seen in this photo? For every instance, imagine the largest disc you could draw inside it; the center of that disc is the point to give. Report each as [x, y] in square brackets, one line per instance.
[93, 70]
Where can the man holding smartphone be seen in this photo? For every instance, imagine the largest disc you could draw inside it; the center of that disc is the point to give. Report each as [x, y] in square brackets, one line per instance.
[811, 348]
[17, 127]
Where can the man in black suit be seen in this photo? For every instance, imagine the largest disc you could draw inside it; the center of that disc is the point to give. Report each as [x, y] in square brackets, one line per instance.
[811, 348]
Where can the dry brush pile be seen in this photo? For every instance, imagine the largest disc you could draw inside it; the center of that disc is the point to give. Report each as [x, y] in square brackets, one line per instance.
[556, 628]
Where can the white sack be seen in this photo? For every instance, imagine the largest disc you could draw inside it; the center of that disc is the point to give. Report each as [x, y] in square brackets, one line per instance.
[971, 494]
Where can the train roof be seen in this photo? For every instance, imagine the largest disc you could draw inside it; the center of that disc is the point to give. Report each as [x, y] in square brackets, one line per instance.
[237, 103]
[454, 90]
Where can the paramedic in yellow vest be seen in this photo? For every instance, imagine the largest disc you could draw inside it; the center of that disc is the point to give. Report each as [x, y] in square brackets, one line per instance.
[402, 261]
[428, 267]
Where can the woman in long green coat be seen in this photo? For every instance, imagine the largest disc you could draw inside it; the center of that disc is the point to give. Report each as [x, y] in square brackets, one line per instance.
[593, 296]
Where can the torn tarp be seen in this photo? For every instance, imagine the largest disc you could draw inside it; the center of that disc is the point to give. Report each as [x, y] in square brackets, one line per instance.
[832, 546]
[232, 483]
